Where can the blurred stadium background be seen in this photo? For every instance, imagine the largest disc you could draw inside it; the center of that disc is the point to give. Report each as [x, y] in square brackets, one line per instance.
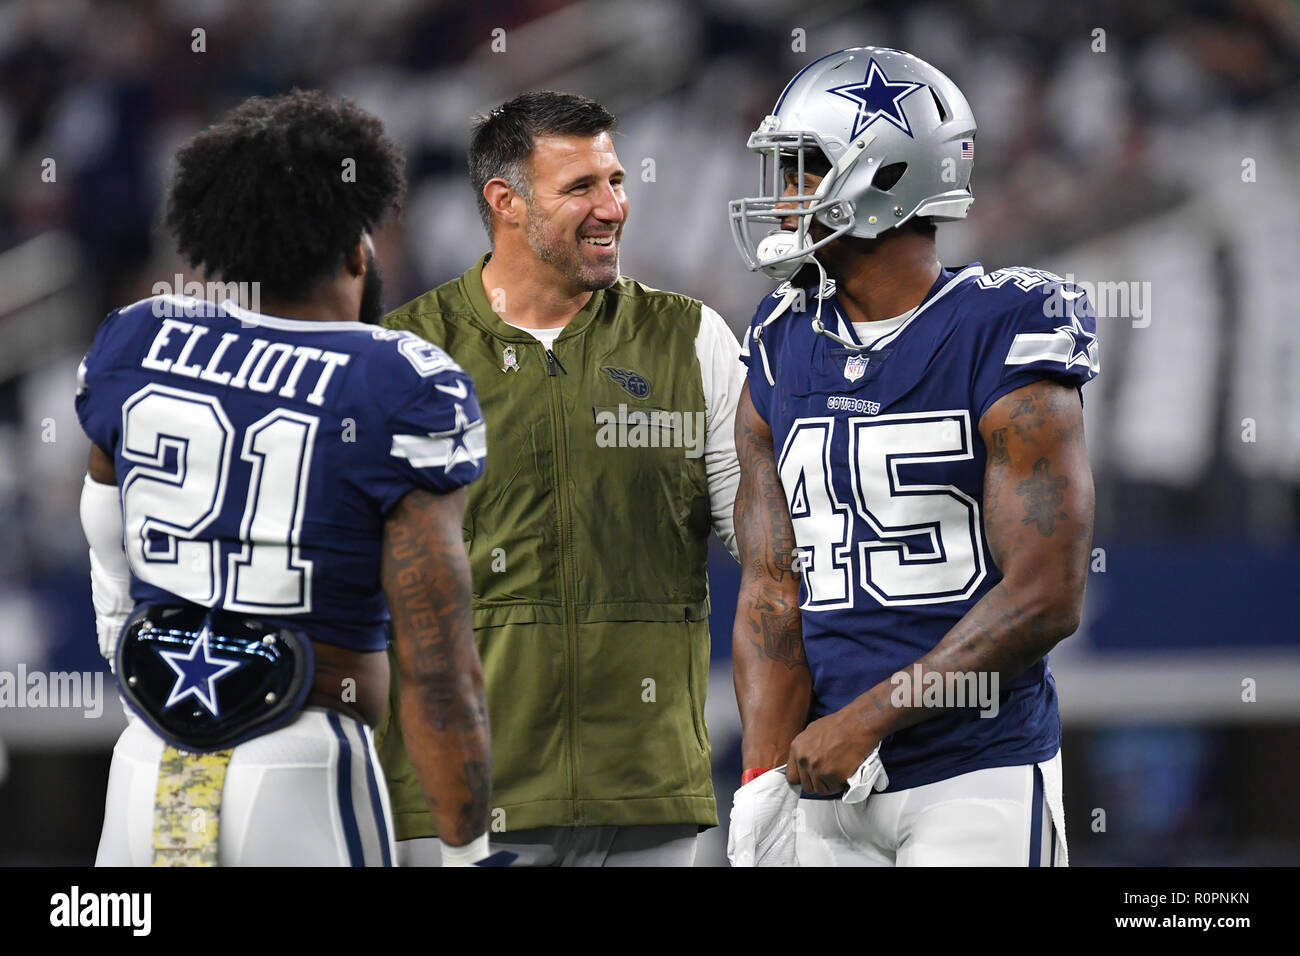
[1165, 164]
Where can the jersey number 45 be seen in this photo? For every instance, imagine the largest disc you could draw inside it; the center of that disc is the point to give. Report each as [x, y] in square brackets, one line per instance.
[917, 543]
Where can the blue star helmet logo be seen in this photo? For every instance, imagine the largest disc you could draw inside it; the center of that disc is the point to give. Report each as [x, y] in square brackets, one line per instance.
[877, 97]
[197, 674]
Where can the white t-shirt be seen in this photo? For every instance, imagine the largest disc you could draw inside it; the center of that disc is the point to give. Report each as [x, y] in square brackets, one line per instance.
[546, 336]
[723, 377]
[868, 332]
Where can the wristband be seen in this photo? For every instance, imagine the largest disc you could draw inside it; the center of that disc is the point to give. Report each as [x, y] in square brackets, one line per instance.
[753, 773]
[467, 855]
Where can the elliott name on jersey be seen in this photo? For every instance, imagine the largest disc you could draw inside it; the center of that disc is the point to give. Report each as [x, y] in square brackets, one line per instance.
[258, 456]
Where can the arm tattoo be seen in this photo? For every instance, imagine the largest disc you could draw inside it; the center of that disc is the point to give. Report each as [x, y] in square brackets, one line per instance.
[760, 498]
[767, 545]
[427, 579]
[782, 634]
[1044, 495]
[444, 711]
[1028, 415]
[471, 820]
[1034, 456]
[769, 667]
[998, 454]
[996, 466]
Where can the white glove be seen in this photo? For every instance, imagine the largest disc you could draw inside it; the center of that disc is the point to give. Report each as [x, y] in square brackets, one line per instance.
[110, 575]
[868, 777]
[764, 815]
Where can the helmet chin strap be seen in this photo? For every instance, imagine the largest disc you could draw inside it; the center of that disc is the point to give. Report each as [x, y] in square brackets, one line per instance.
[780, 310]
[841, 169]
[817, 325]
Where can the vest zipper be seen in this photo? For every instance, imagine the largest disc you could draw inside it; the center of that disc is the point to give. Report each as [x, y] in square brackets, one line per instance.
[569, 591]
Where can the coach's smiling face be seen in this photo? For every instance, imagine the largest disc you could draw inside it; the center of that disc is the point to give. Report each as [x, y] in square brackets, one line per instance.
[574, 218]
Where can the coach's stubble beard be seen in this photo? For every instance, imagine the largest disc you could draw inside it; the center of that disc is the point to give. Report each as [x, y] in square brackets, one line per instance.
[564, 255]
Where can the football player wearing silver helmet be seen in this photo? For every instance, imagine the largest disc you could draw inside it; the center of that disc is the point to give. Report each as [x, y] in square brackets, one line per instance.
[862, 164]
[915, 506]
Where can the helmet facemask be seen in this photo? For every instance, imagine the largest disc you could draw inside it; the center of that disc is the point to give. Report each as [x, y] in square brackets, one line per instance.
[786, 158]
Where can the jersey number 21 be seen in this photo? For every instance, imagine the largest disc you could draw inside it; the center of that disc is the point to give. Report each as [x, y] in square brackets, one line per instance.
[182, 444]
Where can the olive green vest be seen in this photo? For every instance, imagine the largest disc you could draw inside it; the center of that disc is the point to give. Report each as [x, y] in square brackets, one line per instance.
[587, 536]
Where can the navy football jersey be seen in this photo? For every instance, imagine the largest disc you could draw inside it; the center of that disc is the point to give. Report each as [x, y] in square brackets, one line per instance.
[258, 456]
[882, 464]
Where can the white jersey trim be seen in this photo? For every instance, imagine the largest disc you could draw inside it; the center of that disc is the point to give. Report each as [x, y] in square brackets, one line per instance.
[290, 325]
[446, 451]
[1029, 347]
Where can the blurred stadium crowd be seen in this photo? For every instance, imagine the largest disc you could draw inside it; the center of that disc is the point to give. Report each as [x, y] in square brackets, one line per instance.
[1150, 149]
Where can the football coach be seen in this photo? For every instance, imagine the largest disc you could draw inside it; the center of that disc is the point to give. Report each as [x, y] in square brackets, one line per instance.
[609, 408]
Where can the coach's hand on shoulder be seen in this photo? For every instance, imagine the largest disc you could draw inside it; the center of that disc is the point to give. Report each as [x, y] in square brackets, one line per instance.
[829, 750]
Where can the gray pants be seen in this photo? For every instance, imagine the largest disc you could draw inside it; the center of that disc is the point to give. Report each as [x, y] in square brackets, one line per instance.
[670, 844]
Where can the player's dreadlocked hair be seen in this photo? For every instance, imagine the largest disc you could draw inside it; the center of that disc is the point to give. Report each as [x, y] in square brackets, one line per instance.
[266, 195]
[503, 140]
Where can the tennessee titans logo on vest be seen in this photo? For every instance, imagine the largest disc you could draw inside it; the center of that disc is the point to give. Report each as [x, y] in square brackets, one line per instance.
[877, 97]
[633, 383]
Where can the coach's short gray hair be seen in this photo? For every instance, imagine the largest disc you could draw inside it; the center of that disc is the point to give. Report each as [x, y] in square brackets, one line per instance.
[501, 146]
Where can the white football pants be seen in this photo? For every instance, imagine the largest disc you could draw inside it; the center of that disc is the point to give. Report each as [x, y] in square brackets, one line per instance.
[1005, 816]
[307, 794]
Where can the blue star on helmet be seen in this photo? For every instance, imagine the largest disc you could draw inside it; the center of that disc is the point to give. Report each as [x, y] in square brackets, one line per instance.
[197, 673]
[1082, 342]
[878, 97]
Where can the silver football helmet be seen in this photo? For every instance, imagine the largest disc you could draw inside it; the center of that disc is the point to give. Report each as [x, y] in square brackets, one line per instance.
[892, 138]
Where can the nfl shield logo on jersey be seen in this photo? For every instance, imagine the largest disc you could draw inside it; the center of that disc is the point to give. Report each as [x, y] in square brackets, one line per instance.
[855, 367]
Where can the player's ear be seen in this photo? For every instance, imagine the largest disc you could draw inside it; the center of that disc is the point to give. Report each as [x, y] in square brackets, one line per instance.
[501, 199]
[355, 260]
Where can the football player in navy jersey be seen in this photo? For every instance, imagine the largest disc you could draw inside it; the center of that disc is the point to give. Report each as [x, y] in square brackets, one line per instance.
[915, 507]
[265, 489]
